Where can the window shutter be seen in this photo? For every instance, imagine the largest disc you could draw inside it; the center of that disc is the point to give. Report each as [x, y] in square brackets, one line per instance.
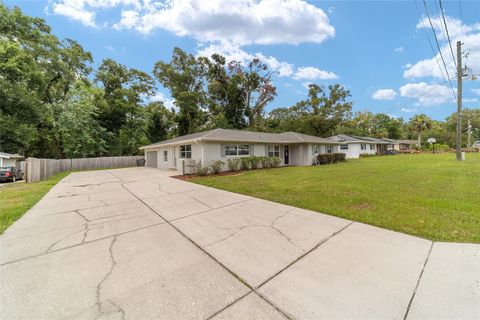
[252, 152]
[222, 150]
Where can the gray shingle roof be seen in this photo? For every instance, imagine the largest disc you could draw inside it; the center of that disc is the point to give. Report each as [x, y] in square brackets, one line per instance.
[344, 138]
[243, 136]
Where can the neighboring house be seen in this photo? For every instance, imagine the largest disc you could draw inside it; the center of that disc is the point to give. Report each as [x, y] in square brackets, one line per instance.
[9, 160]
[354, 146]
[401, 145]
[222, 144]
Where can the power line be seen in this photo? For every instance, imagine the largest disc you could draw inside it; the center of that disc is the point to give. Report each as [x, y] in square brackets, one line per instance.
[446, 30]
[430, 43]
[438, 47]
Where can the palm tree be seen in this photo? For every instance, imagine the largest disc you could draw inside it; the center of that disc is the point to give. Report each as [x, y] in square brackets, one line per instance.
[419, 123]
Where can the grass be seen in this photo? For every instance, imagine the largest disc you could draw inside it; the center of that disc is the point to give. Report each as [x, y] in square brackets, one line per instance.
[18, 198]
[431, 196]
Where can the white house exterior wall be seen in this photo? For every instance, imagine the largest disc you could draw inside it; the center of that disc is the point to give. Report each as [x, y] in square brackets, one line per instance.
[354, 150]
[299, 154]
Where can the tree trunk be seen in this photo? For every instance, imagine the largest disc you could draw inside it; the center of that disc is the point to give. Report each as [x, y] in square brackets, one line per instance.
[419, 140]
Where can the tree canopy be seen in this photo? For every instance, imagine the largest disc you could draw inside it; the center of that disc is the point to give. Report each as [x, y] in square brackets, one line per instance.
[54, 103]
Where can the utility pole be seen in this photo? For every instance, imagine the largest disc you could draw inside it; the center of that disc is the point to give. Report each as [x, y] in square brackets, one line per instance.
[469, 141]
[459, 101]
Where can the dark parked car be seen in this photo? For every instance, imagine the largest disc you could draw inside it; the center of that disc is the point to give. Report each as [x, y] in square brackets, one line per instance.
[10, 174]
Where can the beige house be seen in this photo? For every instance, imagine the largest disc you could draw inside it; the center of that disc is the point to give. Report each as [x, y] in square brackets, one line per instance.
[292, 148]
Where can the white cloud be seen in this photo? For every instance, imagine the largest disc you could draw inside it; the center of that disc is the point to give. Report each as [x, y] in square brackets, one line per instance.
[471, 39]
[85, 10]
[408, 110]
[470, 100]
[234, 52]
[384, 94]
[312, 73]
[241, 21]
[109, 48]
[476, 91]
[427, 94]
[399, 49]
[167, 101]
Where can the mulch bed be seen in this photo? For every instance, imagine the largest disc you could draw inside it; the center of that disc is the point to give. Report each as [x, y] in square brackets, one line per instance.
[223, 173]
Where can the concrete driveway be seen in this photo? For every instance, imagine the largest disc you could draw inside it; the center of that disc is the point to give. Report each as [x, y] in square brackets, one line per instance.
[137, 244]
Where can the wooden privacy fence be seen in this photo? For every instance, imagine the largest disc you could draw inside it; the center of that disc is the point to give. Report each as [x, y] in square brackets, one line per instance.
[42, 169]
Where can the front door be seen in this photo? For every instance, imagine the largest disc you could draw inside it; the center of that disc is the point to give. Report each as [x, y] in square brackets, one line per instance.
[286, 156]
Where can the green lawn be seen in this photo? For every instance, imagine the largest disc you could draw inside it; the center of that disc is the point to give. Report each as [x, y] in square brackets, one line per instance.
[431, 196]
[17, 198]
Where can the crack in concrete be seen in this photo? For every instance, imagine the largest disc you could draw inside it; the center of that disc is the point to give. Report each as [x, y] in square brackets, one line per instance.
[60, 240]
[305, 254]
[272, 226]
[201, 202]
[79, 244]
[99, 303]
[418, 281]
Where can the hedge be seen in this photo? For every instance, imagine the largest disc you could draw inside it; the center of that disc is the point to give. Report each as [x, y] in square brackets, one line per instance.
[329, 158]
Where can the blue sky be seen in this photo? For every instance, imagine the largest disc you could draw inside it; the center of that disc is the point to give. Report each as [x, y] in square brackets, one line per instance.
[379, 50]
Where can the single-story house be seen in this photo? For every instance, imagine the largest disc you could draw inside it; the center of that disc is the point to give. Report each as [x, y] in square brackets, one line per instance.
[8, 159]
[354, 146]
[221, 144]
[400, 145]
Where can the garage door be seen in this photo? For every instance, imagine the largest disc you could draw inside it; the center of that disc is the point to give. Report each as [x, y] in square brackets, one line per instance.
[151, 157]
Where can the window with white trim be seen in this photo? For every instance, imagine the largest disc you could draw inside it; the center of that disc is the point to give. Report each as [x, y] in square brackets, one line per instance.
[231, 150]
[273, 151]
[344, 147]
[363, 146]
[329, 148]
[315, 149]
[237, 150]
[165, 156]
[243, 150]
[372, 147]
[186, 151]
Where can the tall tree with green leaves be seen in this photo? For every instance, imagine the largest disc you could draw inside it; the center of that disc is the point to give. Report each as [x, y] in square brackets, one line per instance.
[121, 105]
[79, 131]
[186, 78]
[319, 115]
[420, 123]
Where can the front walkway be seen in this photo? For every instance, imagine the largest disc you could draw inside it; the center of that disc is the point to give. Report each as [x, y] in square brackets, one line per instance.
[137, 244]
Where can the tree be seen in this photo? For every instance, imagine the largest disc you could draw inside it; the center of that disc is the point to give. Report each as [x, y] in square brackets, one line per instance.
[121, 105]
[318, 115]
[160, 122]
[418, 124]
[36, 71]
[185, 77]
[256, 87]
[225, 95]
[80, 133]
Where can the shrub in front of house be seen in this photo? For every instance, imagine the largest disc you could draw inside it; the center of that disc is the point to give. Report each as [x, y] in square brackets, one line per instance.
[275, 162]
[201, 169]
[233, 164]
[265, 162]
[216, 166]
[255, 162]
[330, 158]
[245, 163]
